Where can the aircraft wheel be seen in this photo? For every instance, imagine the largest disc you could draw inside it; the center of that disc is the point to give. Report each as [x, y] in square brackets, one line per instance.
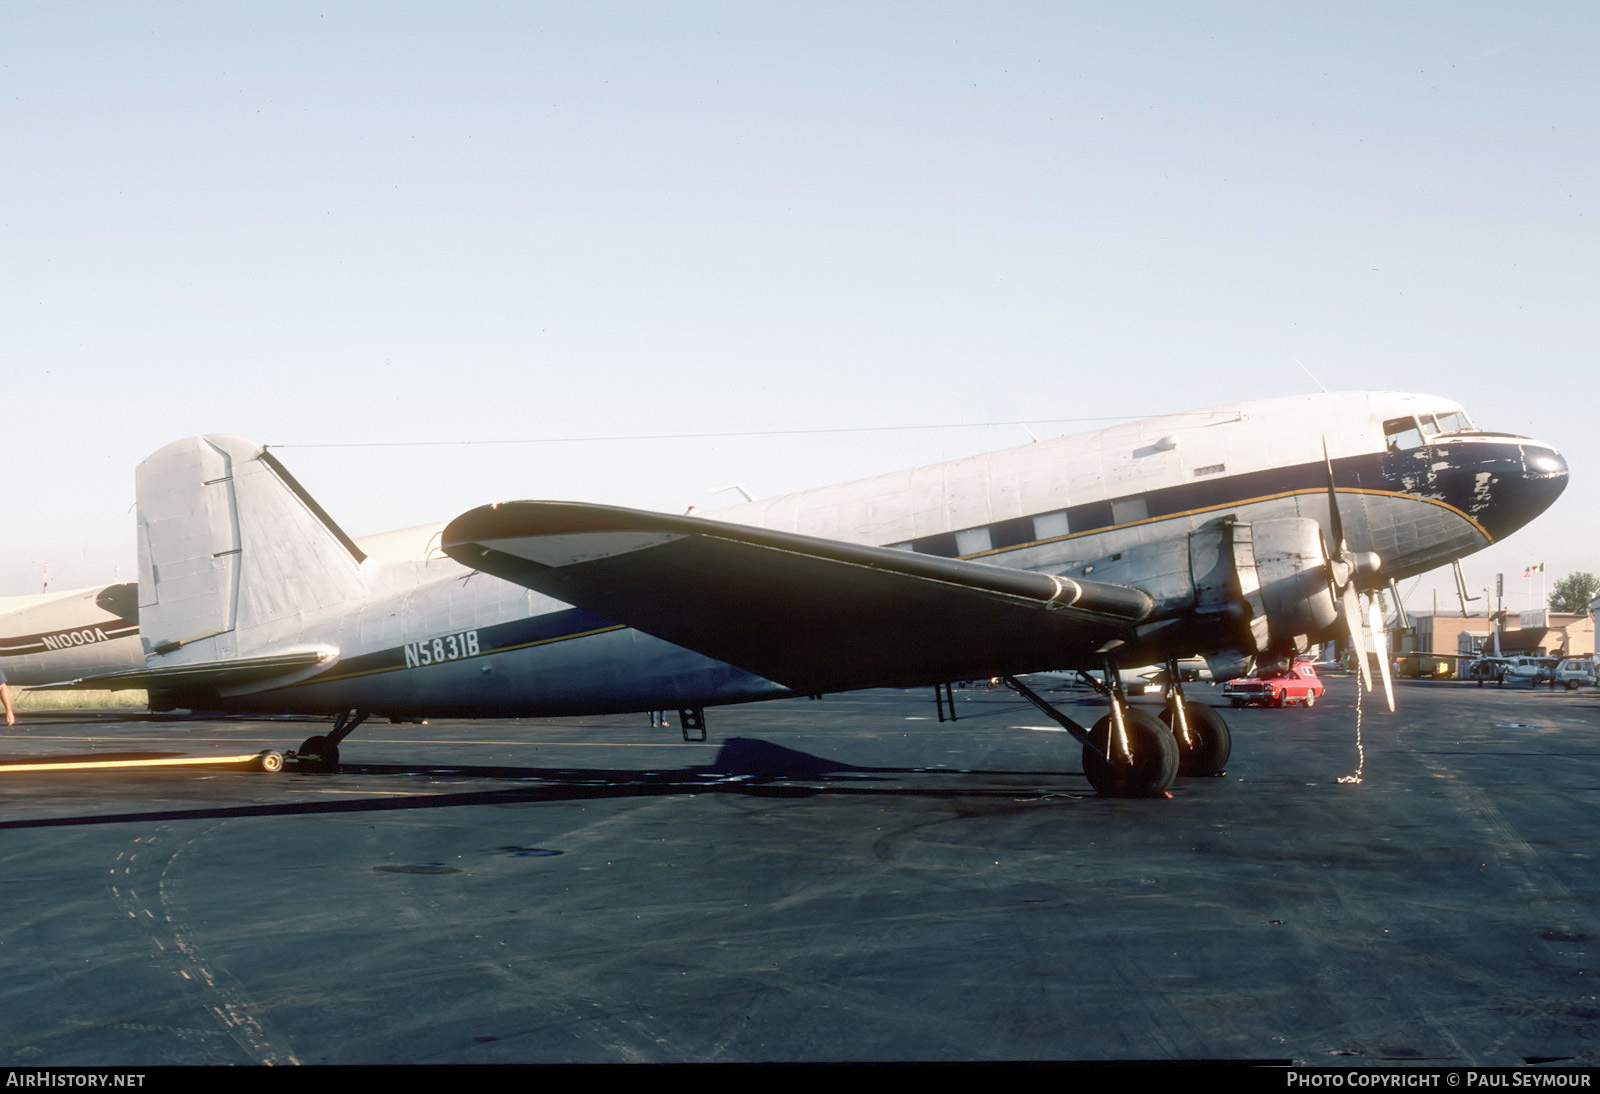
[1153, 767]
[269, 761]
[1208, 753]
[317, 754]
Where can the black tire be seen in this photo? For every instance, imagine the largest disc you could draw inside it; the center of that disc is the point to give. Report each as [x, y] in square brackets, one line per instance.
[1572, 685]
[317, 754]
[1277, 698]
[1208, 753]
[1311, 699]
[1154, 763]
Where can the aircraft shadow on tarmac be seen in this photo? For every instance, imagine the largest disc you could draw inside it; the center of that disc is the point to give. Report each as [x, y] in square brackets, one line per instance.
[742, 765]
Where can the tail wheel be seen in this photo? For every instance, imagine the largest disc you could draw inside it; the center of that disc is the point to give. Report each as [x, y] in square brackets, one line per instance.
[317, 754]
[1206, 753]
[1151, 768]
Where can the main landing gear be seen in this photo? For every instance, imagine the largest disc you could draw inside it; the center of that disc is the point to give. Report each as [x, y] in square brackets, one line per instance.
[321, 753]
[1138, 759]
[1199, 731]
[1132, 754]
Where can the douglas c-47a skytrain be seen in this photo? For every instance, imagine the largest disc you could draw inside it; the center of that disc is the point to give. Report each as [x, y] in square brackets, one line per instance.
[1242, 534]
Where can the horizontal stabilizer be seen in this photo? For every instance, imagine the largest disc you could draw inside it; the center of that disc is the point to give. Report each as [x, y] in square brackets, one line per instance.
[811, 614]
[212, 675]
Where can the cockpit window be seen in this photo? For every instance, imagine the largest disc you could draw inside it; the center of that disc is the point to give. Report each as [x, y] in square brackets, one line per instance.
[1401, 434]
[1454, 422]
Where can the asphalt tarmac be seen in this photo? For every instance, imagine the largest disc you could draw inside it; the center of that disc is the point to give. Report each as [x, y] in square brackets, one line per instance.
[835, 880]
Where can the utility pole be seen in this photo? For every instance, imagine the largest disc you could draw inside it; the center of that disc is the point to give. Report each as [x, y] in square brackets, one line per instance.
[1499, 609]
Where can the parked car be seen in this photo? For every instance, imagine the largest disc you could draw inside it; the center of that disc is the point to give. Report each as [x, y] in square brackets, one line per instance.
[1298, 685]
[1576, 672]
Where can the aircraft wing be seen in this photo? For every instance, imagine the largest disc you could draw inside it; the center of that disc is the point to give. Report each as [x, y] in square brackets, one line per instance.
[811, 614]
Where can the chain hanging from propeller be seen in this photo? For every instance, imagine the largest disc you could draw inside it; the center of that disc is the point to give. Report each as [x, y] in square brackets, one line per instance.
[1344, 566]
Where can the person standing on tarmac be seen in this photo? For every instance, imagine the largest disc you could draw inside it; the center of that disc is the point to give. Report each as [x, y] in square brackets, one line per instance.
[5, 697]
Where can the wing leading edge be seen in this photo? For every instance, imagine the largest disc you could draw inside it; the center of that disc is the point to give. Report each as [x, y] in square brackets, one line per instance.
[811, 614]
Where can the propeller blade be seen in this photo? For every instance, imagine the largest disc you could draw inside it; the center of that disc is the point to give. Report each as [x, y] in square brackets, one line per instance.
[1380, 638]
[1352, 622]
[1343, 566]
[1335, 522]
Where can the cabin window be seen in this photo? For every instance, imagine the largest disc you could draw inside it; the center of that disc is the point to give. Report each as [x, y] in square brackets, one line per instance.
[1129, 510]
[973, 541]
[1401, 434]
[1050, 525]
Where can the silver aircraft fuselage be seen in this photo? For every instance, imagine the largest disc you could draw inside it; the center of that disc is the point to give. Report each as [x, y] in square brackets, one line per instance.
[1418, 485]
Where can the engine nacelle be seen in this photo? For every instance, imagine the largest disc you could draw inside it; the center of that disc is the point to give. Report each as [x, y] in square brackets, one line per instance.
[1239, 594]
[1270, 575]
[1291, 566]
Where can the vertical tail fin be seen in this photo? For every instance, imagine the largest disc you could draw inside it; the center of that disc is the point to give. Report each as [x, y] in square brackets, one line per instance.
[233, 553]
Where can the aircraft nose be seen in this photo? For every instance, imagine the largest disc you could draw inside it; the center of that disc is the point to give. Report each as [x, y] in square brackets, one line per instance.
[1518, 498]
[1540, 460]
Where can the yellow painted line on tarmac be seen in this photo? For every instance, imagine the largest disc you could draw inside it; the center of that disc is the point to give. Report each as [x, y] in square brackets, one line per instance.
[524, 742]
[87, 765]
[120, 738]
[361, 739]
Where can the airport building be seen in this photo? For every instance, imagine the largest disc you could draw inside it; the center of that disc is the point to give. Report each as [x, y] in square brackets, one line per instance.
[1450, 636]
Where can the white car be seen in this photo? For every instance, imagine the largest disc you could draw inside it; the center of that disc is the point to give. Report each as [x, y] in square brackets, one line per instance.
[1576, 672]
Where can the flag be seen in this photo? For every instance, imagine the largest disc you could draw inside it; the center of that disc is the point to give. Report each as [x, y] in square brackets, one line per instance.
[1536, 568]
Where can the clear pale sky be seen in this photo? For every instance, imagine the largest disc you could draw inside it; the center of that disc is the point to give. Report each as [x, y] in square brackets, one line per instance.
[366, 223]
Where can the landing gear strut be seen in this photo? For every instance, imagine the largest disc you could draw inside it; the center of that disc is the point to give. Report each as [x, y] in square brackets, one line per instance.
[1201, 735]
[1128, 753]
[321, 753]
[1139, 761]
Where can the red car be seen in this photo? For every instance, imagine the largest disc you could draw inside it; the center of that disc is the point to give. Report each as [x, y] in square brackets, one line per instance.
[1299, 685]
